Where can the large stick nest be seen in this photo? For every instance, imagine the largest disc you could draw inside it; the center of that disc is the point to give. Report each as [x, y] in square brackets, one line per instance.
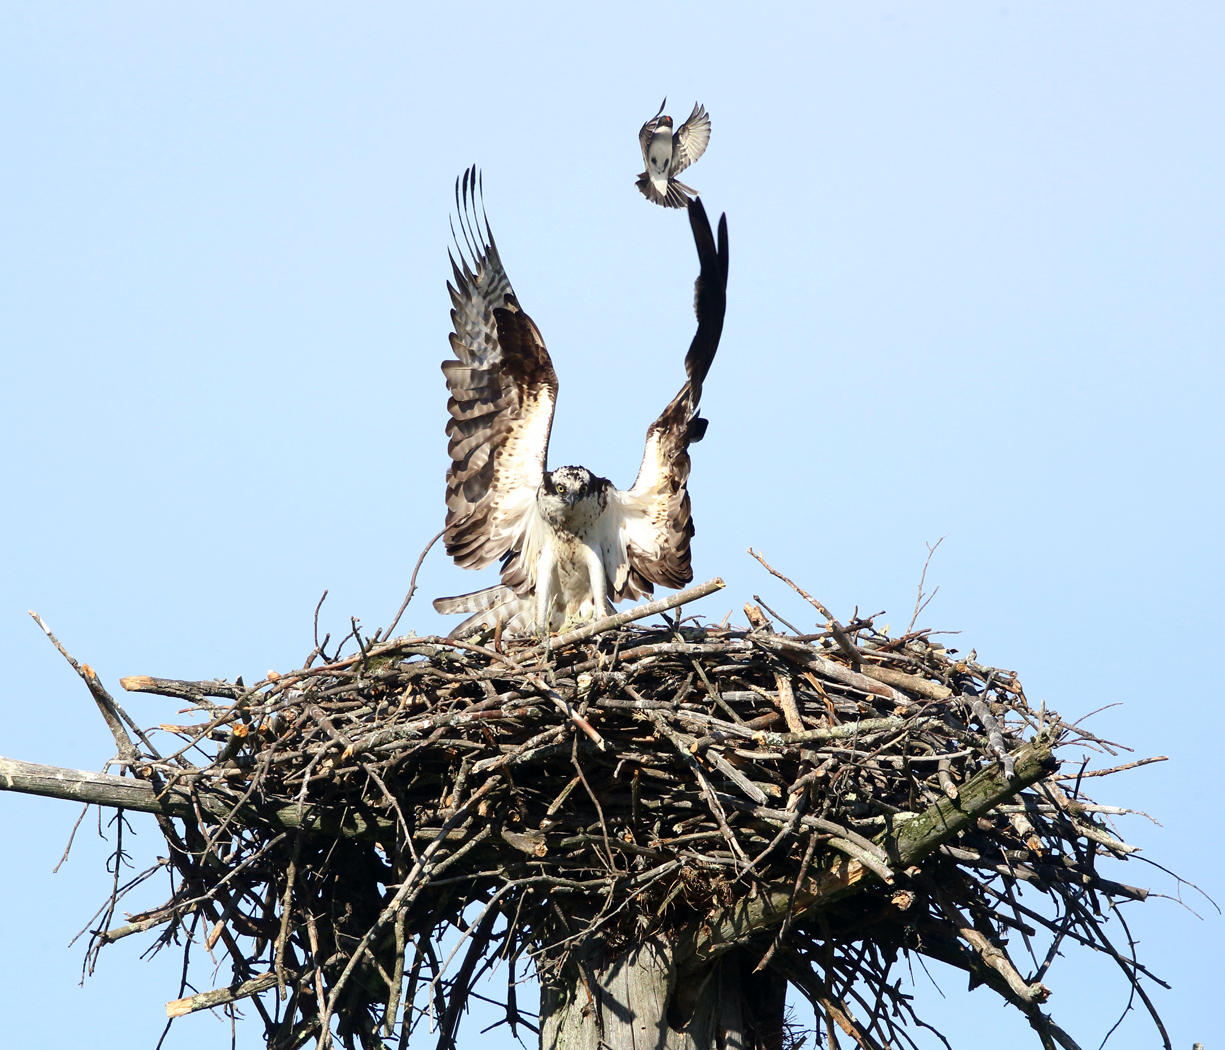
[362, 839]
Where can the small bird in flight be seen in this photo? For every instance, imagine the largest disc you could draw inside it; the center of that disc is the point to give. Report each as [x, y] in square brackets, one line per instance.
[666, 155]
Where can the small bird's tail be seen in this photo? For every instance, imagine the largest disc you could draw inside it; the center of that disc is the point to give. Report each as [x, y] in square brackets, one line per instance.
[675, 197]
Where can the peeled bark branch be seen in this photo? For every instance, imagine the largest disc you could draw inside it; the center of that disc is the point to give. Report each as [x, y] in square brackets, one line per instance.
[638, 612]
[219, 996]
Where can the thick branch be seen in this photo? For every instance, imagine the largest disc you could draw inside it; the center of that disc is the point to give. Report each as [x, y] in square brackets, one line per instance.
[638, 612]
[905, 846]
[176, 800]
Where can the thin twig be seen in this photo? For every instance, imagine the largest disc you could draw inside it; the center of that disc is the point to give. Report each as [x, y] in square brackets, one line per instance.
[412, 582]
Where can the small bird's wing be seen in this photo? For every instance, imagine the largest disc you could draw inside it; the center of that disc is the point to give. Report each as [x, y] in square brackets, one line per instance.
[648, 129]
[503, 389]
[645, 537]
[690, 139]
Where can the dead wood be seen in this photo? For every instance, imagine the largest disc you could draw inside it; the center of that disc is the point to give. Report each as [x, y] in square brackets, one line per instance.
[831, 802]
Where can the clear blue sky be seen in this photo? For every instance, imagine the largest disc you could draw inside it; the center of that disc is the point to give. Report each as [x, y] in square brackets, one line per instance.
[978, 257]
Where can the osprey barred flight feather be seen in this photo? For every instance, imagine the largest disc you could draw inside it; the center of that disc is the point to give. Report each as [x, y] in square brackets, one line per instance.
[666, 155]
[569, 541]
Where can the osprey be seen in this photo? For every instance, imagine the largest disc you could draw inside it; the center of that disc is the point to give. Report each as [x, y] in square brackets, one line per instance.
[666, 154]
[570, 542]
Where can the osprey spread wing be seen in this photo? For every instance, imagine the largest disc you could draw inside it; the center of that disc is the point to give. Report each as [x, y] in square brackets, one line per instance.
[570, 542]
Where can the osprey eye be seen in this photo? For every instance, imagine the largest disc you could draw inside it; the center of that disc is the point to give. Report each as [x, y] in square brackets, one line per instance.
[561, 489]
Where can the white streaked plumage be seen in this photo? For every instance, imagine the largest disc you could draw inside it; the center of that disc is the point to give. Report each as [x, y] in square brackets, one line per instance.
[570, 542]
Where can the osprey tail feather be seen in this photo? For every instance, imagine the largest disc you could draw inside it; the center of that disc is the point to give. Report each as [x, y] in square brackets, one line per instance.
[489, 607]
[474, 601]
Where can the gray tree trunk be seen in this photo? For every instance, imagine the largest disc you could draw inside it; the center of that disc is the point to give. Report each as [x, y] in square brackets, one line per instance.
[637, 1002]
